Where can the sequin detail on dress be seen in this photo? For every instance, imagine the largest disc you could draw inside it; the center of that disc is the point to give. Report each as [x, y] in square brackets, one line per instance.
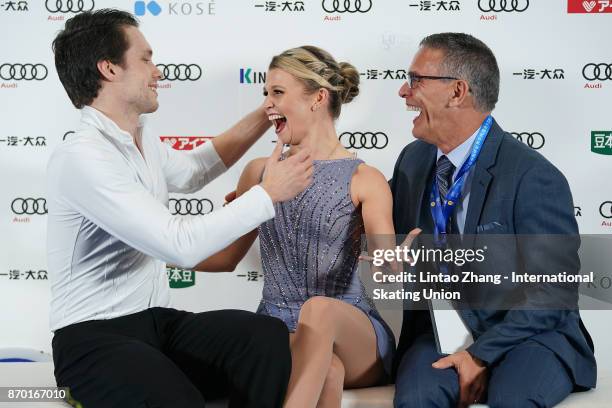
[311, 248]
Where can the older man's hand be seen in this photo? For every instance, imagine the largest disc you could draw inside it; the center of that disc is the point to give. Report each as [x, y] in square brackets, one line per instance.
[473, 376]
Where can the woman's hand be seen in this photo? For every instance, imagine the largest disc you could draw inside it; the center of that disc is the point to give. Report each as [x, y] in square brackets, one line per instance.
[229, 197]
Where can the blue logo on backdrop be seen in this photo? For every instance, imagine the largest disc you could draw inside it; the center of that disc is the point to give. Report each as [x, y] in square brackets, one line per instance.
[248, 76]
[141, 7]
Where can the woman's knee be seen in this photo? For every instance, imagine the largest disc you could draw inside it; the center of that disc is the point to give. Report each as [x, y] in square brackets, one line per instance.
[318, 311]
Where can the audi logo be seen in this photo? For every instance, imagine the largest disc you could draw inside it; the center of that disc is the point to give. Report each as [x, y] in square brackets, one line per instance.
[534, 140]
[503, 5]
[605, 209]
[193, 206]
[593, 72]
[180, 72]
[29, 206]
[26, 72]
[347, 6]
[364, 140]
[69, 6]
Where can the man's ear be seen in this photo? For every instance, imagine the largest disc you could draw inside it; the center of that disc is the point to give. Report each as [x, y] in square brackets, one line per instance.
[107, 70]
[461, 90]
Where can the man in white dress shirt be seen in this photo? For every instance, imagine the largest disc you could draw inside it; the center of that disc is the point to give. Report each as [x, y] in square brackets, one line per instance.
[117, 342]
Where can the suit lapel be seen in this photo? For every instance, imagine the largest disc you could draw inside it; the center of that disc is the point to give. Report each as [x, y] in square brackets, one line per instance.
[482, 178]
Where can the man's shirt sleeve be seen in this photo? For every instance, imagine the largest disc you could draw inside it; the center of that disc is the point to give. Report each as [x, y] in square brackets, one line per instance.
[189, 171]
[101, 189]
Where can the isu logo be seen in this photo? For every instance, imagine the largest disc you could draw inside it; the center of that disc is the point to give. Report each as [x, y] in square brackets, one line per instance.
[184, 142]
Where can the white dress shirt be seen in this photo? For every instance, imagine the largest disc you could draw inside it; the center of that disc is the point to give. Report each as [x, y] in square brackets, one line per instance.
[458, 156]
[109, 228]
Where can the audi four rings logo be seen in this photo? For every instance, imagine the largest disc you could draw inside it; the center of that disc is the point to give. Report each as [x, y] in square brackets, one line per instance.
[347, 6]
[26, 72]
[69, 6]
[605, 209]
[534, 140]
[503, 5]
[594, 72]
[364, 140]
[29, 206]
[180, 72]
[190, 206]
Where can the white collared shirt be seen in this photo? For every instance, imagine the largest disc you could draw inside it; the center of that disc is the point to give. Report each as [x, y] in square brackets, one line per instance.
[458, 156]
[109, 228]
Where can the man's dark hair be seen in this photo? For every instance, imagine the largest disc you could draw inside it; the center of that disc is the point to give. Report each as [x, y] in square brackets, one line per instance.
[468, 58]
[88, 38]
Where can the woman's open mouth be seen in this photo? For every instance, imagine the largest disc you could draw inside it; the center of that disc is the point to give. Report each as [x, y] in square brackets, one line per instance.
[279, 122]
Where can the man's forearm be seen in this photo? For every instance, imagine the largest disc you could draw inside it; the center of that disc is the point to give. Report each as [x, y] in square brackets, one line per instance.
[234, 142]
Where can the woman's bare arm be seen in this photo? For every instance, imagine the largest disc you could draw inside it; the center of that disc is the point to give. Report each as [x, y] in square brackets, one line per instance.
[227, 259]
[370, 189]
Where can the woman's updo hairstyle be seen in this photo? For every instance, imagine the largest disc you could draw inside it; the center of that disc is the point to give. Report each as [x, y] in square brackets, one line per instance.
[316, 69]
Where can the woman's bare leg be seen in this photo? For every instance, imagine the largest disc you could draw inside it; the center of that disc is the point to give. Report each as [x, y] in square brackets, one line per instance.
[331, 394]
[328, 326]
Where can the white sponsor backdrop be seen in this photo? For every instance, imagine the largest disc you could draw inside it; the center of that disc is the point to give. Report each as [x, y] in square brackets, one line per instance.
[542, 52]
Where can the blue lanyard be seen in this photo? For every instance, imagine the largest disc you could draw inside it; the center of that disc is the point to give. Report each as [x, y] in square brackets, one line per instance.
[441, 211]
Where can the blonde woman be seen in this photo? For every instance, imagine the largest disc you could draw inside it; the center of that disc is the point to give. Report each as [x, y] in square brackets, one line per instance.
[310, 249]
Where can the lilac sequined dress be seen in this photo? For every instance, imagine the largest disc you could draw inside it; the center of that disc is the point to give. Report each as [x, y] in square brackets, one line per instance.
[311, 248]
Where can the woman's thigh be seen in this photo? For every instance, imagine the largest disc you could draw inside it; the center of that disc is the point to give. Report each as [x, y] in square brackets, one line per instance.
[354, 338]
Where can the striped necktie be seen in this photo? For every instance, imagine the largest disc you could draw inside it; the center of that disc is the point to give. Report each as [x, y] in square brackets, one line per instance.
[444, 175]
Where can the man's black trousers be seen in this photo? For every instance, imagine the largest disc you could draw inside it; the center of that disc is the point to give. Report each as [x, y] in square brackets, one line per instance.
[163, 357]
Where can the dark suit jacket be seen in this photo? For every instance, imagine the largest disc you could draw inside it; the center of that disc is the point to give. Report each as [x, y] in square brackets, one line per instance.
[514, 190]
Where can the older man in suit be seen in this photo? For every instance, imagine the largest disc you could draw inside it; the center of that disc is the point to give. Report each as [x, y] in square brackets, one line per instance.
[519, 358]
